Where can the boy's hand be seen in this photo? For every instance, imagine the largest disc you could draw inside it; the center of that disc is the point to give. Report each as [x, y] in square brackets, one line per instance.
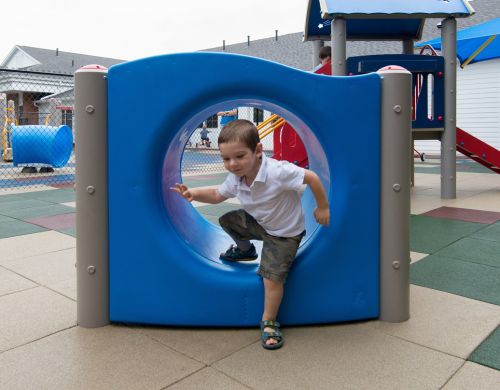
[183, 191]
[322, 215]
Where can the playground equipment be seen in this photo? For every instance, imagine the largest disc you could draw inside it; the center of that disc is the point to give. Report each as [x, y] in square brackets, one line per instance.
[340, 21]
[6, 141]
[145, 255]
[39, 144]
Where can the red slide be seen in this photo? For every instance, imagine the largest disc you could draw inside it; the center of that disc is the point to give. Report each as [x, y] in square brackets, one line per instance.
[287, 144]
[478, 150]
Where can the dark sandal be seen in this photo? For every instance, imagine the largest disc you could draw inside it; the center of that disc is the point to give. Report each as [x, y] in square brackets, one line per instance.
[275, 334]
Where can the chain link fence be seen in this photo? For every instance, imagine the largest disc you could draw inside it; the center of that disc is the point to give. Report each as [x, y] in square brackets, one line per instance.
[37, 133]
[201, 154]
[36, 130]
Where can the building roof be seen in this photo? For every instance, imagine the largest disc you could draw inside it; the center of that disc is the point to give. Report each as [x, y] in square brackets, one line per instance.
[381, 19]
[291, 50]
[57, 61]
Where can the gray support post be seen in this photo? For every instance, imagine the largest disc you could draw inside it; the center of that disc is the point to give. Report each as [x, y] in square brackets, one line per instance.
[316, 46]
[408, 48]
[92, 197]
[395, 196]
[449, 137]
[339, 42]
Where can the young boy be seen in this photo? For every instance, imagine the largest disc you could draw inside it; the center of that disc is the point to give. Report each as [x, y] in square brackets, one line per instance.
[269, 192]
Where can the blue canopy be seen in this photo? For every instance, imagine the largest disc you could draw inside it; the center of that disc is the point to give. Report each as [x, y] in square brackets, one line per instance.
[382, 19]
[474, 44]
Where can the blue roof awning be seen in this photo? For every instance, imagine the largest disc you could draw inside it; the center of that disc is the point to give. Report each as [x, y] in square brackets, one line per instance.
[379, 20]
[476, 43]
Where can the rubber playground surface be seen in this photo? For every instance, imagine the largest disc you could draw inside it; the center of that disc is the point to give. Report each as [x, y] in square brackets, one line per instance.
[452, 340]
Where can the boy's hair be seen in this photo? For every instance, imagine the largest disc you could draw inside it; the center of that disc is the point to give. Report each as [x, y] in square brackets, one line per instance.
[240, 130]
[325, 51]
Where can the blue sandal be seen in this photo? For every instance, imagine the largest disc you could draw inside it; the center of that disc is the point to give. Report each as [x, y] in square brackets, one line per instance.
[275, 334]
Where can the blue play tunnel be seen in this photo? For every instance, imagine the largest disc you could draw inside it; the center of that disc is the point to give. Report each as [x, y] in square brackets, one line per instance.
[37, 144]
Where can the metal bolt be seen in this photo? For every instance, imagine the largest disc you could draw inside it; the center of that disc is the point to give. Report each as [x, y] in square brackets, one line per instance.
[396, 265]
[91, 190]
[91, 269]
[397, 108]
[396, 187]
[90, 109]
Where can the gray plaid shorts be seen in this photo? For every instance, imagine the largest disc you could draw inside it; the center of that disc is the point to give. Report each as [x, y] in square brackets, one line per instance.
[277, 254]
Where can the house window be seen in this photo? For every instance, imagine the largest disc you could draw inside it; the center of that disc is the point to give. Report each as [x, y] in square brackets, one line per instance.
[67, 118]
[213, 122]
[258, 115]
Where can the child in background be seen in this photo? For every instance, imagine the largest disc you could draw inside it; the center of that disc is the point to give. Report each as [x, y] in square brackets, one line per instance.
[269, 192]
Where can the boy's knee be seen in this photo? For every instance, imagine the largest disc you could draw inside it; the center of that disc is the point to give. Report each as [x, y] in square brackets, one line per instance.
[228, 219]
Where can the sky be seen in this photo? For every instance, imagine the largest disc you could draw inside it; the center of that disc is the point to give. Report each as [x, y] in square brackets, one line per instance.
[134, 29]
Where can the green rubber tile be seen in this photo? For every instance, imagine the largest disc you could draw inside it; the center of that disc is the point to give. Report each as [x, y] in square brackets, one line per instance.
[69, 231]
[53, 196]
[488, 352]
[34, 212]
[474, 250]
[216, 210]
[471, 280]
[491, 233]
[4, 218]
[9, 198]
[428, 234]
[211, 218]
[20, 204]
[18, 228]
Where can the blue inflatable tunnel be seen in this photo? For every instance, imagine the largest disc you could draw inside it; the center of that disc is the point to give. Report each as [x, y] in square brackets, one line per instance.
[164, 256]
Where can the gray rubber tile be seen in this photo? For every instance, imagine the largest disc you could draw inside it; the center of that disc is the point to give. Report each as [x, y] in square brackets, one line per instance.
[107, 358]
[352, 356]
[11, 282]
[474, 250]
[473, 376]
[30, 314]
[488, 353]
[34, 244]
[208, 379]
[444, 322]
[18, 228]
[428, 235]
[205, 345]
[472, 280]
[46, 268]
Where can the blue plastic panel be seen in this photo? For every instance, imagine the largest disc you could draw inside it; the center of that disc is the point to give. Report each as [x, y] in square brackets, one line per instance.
[164, 266]
[427, 67]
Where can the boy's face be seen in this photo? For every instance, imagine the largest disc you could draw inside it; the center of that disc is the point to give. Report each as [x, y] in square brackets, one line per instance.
[240, 159]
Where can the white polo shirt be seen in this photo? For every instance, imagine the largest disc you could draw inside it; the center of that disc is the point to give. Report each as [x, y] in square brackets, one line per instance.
[273, 199]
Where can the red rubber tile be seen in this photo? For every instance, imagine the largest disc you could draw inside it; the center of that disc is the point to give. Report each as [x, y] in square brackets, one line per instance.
[468, 215]
[55, 222]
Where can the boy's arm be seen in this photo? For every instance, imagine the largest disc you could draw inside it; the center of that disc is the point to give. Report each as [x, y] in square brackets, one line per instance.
[204, 195]
[322, 212]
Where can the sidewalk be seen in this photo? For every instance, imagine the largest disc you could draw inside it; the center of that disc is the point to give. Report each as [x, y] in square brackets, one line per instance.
[452, 340]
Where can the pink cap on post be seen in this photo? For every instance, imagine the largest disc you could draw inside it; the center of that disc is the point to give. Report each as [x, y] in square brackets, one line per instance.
[391, 67]
[94, 66]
